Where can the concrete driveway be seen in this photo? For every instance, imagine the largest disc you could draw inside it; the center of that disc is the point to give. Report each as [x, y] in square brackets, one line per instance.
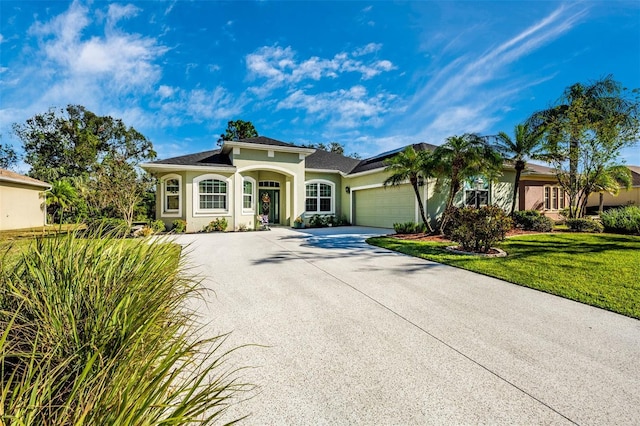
[354, 334]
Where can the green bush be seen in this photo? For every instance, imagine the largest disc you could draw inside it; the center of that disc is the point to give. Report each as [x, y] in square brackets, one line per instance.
[179, 226]
[218, 225]
[478, 229]
[623, 220]
[96, 331]
[157, 226]
[584, 225]
[318, 221]
[409, 228]
[532, 220]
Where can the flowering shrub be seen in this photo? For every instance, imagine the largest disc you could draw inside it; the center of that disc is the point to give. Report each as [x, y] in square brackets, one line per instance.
[478, 229]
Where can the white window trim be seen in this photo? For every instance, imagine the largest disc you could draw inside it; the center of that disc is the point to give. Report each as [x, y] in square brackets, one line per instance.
[254, 186]
[163, 211]
[197, 211]
[333, 195]
[561, 196]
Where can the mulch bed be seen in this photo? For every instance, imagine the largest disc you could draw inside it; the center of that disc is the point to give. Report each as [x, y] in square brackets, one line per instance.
[443, 239]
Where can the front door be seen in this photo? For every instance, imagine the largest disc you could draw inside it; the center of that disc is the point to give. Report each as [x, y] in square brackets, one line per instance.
[270, 204]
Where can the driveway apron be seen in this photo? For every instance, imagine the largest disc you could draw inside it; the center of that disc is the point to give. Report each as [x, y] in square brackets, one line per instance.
[347, 333]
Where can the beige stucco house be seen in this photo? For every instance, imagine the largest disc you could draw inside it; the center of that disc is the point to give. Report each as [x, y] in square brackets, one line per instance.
[261, 176]
[22, 202]
[625, 196]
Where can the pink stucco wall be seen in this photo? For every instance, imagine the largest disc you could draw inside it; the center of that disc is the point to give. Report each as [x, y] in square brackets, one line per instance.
[531, 197]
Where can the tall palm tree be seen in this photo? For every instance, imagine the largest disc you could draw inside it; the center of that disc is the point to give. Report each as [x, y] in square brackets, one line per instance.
[461, 158]
[61, 196]
[410, 165]
[526, 145]
[611, 180]
[586, 116]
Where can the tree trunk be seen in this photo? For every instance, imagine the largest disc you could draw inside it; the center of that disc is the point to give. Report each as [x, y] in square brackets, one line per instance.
[515, 187]
[414, 184]
[601, 204]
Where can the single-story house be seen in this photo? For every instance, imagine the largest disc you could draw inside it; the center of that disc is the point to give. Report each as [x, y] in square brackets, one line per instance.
[625, 196]
[262, 176]
[21, 201]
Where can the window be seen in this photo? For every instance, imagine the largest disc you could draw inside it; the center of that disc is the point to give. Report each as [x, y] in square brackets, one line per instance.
[269, 184]
[476, 192]
[248, 197]
[554, 198]
[320, 197]
[210, 194]
[171, 195]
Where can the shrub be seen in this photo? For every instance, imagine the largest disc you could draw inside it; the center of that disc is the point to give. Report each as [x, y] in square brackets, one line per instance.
[145, 231]
[623, 220]
[342, 221]
[584, 225]
[157, 226]
[532, 220]
[242, 227]
[108, 227]
[96, 331]
[478, 229]
[318, 221]
[218, 225]
[179, 226]
[409, 228]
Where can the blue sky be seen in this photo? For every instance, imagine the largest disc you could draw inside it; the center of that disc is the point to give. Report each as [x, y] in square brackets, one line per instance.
[373, 76]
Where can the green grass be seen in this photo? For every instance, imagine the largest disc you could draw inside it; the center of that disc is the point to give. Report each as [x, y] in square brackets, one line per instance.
[601, 270]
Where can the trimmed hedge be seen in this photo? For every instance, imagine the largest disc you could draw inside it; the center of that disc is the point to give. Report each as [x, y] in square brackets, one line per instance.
[478, 229]
[623, 220]
[584, 225]
[532, 220]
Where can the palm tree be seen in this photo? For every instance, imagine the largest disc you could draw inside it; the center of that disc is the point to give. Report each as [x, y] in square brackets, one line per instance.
[410, 165]
[461, 158]
[611, 180]
[526, 145]
[60, 197]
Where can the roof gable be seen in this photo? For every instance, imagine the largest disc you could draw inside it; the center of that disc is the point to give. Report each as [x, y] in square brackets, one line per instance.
[9, 176]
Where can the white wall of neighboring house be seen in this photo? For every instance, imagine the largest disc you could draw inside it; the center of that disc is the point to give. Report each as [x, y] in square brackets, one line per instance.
[21, 201]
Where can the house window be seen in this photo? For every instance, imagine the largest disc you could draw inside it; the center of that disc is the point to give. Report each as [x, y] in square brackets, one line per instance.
[320, 197]
[248, 197]
[476, 192]
[554, 198]
[211, 194]
[171, 195]
[269, 184]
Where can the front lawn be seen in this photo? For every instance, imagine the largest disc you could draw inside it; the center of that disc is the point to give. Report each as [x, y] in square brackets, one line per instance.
[601, 270]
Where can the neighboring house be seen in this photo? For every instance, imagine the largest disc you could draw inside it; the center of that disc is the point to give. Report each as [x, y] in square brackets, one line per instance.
[539, 190]
[625, 196]
[22, 202]
[256, 176]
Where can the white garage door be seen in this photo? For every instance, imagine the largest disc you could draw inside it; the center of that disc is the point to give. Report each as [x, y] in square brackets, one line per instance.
[382, 207]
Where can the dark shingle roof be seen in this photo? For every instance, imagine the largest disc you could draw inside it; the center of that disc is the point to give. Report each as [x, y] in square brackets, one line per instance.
[378, 161]
[262, 140]
[206, 158]
[325, 160]
[635, 175]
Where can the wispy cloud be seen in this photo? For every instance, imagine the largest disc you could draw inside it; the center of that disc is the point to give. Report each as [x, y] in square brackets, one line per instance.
[468, 93]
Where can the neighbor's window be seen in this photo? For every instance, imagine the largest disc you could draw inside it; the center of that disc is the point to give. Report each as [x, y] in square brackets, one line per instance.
[554, 198]
[320, 197]
[248, 187]
[171, 195]
[211, 194]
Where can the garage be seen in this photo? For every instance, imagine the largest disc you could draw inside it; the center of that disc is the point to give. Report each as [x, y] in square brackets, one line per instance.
[382, 207]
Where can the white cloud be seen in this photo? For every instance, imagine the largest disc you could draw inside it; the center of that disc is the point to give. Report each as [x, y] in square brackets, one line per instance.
[342, 108]
[279, 66]
[369, 48]
[165, 91]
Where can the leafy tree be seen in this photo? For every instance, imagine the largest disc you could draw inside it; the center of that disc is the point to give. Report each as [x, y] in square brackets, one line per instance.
[72, 142]
[335, 147]
[461, 158]
[584, 133]
[8, 156]
[526, 145]
[237, 130]
[410, 165]
[60, 198]
[611, 180]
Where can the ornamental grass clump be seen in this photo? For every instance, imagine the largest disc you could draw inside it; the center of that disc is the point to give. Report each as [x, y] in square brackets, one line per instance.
[96, 331]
